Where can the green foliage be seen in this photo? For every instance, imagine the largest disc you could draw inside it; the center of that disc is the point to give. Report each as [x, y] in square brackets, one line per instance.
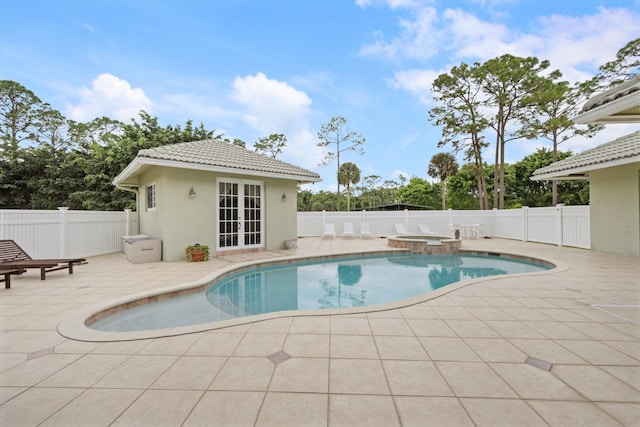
[443, 166]
[420, 192]
[348, 174]
[336, 132]
[526, 192]
[462, 188]
[625, 67]
[271, 145]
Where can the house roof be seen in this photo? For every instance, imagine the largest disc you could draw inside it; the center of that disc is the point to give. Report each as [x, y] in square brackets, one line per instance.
[620, 104]
[622, 151]
[216, 156]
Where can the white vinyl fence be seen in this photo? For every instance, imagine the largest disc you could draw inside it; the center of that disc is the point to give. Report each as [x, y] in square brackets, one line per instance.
[560, 225]
[67, 233]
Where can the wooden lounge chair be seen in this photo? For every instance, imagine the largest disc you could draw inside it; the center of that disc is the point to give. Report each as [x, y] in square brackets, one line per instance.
[7, 275]
[13, 256]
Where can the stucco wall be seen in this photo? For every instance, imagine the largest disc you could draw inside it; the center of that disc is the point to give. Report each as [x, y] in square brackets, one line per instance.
[180, 220]
[615, 210]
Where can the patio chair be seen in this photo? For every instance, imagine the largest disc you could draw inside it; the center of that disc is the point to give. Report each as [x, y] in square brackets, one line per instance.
[364, 230]
[400, 230]
[424, 229]
[7, 275]
[329, 231]
[13, 256]
[348, 230]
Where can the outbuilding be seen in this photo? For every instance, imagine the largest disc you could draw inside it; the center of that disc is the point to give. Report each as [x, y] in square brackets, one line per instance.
[216, 194]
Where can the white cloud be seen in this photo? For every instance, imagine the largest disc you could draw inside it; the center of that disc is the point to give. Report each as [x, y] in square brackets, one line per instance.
[109, 96]
[417, 82]
[420, 38]
[576, 45]
[272, 106]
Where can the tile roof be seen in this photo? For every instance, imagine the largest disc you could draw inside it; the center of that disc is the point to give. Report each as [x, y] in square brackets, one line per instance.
[620, 104]
[617, 92]
[215, 154]
[623, 150]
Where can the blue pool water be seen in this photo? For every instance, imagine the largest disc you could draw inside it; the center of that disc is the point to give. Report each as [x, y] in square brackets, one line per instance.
[333, 283]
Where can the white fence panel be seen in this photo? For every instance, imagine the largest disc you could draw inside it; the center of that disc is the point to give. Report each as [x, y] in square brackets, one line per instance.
[509, 224]
[576, 225]
[542, 225]
[64, 233]
[561, 225]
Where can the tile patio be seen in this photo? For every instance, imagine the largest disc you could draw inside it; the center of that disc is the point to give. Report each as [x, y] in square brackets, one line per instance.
[475, 356]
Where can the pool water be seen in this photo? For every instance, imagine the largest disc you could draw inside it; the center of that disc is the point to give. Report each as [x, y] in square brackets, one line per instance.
[327, 284]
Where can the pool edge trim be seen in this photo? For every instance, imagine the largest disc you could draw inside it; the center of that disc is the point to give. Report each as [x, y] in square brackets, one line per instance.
[75, 326]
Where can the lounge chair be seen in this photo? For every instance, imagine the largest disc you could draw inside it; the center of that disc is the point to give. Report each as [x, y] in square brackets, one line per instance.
[400, 230]
[329, 231]
[7, 275]
[13, 256]
[364, 230]
[424, 229]
[348, 230]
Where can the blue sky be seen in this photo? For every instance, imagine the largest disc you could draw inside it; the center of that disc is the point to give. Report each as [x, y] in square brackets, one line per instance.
[250, 68]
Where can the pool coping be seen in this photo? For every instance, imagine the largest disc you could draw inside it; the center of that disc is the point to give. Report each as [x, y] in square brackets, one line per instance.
[75, 327]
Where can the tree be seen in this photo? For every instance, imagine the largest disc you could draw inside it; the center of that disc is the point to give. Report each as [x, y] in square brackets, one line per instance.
[271, 145]
[554, 106]
[442, 166]
[419, 191]
[348, 174]
[461, 120]
[625, 67]
[462, 191]
[336, 132]
[526, 192]
[507, 81]
[370, 188]
[18, 109]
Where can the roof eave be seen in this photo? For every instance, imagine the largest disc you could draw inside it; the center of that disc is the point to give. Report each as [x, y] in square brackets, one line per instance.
[139, 162]
[606, 113]
[582, 172]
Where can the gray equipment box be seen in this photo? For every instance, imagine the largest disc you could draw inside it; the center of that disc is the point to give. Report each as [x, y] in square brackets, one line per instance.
[141, 248]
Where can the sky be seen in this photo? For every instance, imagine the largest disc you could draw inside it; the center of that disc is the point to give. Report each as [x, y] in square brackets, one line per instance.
[251, 68]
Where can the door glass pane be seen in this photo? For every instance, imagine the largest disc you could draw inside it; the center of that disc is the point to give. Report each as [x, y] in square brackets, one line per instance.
[228, 214]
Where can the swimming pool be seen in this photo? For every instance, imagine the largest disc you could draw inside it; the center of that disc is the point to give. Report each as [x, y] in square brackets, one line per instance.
[345, 282]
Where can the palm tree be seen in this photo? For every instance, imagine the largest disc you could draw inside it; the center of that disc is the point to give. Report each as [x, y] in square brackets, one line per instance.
[348, 174]
[443, 165]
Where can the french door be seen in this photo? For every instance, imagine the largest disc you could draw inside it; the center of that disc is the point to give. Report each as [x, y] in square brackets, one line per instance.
[240, 215]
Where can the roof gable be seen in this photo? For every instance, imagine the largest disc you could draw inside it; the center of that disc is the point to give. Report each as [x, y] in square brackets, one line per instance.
[218, 156]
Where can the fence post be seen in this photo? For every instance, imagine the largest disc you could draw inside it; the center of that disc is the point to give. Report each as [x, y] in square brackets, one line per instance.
[559, 213]
[406, 219]
[64, 221]
[525, 223]
[495, 222]
[127, 214]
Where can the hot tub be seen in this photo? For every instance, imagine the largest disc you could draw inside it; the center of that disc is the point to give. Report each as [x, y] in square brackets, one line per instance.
[421, 244]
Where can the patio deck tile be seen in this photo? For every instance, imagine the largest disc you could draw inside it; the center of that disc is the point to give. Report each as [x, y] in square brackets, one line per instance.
[457, 359]
[228, 408]
[431, 411]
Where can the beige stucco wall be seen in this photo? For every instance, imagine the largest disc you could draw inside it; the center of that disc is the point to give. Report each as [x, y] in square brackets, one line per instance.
[615, 210]
[181, 221]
